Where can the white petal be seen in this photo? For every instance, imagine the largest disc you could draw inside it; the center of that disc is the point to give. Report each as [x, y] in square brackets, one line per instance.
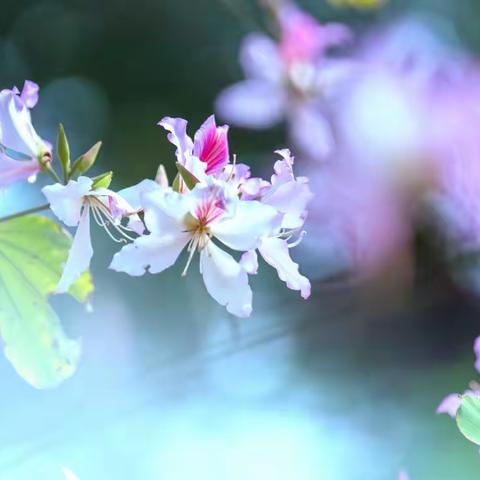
[291, 198]
[165, 211]
[252, 104]
[251, 221]
[178, 136]
[196, 167]
[155, 253]
[17, 132]
[260, 58]
[276, 253]
[80, 254]
[135, 224]
[249, 262]
[66, 201]
[12, 171]
[226, 280]
[132, 194]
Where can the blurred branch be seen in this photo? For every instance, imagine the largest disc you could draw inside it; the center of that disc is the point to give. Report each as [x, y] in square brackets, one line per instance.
[24, 212]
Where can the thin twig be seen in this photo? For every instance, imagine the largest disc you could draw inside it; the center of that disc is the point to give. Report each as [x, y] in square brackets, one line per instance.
[24, 212]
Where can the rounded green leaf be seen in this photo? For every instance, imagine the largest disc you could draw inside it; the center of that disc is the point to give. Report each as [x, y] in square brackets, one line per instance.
[468, 418]
[33, 250]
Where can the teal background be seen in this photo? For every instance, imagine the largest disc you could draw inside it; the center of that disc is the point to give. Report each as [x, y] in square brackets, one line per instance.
[342, 387]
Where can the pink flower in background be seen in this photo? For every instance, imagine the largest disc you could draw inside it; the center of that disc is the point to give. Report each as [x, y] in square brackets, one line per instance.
[451, 403]
[456, 152]
[384, 118]
[359, 216]
[21, 149]
[410, 119]
[303, 38]
[292, 79]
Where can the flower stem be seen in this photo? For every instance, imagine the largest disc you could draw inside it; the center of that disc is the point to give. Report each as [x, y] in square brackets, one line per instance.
[53, 174]
[24, 212]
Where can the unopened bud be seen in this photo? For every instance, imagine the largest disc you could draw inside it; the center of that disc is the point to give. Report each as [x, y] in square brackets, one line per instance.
[83, 163]
[102, 181]
[161, 178]
[63, 151]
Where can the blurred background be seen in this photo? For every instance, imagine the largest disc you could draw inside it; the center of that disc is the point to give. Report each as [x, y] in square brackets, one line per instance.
[341, 387]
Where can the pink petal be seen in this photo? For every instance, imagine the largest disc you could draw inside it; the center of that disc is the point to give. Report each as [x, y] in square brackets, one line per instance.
[211, 145]
[450, 404]
[476, 349]
[29, 94]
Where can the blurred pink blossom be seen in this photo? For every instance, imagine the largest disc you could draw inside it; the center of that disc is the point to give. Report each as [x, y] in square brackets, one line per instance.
[410, 120]
[365, 221]
[451, 403]
[292, 78]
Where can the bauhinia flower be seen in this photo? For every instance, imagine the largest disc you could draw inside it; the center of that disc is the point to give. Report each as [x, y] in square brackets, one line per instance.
[22, 151]
[224, 206]
[289, 196]
[74, 203]
[195, 220]
[207, 154]
[451, 403]
[292, 79]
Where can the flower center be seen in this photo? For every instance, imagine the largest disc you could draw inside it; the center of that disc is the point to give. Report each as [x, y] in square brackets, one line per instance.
[104, 219]
[207, 211]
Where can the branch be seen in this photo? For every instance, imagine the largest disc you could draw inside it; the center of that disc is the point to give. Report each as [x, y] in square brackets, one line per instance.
[24, 212]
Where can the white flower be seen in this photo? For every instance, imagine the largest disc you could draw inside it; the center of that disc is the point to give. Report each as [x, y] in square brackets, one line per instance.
[73, 203]
[21, 147]
[289, 196]
[211, 211]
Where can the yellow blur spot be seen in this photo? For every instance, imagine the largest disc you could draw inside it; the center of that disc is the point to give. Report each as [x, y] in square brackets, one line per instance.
[358, 3]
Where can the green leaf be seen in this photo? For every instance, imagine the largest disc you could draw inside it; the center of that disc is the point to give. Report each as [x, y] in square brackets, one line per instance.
[468, 418]
[63, 151]
[189, 179]
[32, 252]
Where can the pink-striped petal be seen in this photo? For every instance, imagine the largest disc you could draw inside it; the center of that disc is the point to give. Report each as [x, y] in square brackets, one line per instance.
[211, 145]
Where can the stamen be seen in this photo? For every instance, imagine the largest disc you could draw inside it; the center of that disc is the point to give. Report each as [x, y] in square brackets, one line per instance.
[192, 248]
[298, 240]
[232, 171]
[104, 219]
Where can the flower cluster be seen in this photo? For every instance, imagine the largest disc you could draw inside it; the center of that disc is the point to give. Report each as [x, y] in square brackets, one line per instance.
[212, 203]
[215, 203]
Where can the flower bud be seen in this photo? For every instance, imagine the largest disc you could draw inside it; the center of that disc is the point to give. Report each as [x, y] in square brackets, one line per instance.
[102, 181]
[83, 163]
[161, 177]
[63, 151]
